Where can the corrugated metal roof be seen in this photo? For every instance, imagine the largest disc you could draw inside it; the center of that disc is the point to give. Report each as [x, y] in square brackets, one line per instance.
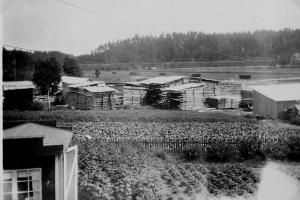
[51, 136]
[280, 92]
[87, 83]
[100, 89]
[18, 85]
[161, 79]
[183, 87]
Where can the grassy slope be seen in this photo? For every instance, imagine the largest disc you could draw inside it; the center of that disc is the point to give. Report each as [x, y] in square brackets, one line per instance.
[123, 115]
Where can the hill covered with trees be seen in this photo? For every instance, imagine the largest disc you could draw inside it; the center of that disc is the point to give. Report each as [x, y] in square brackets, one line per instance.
[198, 47]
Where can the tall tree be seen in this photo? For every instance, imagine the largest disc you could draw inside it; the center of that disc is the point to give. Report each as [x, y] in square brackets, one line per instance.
[71, 67]
[47, 75]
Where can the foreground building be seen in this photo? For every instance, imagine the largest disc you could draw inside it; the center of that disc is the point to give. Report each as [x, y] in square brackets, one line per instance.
[38, 163]
[272, 100]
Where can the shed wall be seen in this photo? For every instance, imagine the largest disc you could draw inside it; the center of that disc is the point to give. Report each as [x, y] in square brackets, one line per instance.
[263, 105]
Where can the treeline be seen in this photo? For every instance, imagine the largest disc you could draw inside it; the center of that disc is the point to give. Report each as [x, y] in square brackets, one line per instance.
[199, 47]
[20, 65]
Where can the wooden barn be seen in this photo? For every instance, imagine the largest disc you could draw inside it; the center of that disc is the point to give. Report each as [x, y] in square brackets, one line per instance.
[135, 91]
[94, 97]
[12, 92]
[42, 167]
[191, 95]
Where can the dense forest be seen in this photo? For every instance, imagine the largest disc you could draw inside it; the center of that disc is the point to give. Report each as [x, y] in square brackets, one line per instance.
[176, 47]
[198, 46]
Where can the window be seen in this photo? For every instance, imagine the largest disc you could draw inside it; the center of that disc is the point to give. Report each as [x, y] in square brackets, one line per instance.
[24, 184]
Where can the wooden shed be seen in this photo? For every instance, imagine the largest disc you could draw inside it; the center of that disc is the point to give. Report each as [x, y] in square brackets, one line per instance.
[94, 98]
[42, 167]
[17, 94]
[272, 100]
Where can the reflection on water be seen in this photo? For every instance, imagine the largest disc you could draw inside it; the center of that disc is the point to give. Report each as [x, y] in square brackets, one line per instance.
[277, 185]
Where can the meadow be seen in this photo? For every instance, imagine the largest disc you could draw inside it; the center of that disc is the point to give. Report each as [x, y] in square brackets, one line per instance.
[218, 73]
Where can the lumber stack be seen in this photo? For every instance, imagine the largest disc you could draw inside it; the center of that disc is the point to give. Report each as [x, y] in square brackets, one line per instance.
[231, 93]
[188, 96]
[133, 95]
[116, 100]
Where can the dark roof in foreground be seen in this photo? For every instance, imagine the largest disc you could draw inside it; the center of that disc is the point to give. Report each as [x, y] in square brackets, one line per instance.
[51, 136]
[17, 85]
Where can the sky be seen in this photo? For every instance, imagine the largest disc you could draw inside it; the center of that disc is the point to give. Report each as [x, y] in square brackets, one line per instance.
[57, 25]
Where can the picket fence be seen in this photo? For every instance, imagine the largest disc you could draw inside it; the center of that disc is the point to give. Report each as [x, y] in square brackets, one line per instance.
[170, 145]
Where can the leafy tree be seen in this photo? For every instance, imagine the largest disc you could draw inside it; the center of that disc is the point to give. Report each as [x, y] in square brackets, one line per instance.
[97, 73]
[47, 75]
[16, 64]
[71, 67]
[153, 95]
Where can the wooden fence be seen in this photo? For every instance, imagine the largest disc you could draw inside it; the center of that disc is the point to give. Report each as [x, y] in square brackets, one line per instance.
[170, 146]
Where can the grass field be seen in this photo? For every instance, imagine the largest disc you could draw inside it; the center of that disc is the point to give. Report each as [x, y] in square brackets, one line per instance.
[219, 73]
[123, 115]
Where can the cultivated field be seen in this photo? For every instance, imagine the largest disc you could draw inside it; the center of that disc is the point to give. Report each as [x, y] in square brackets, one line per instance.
[218, 73]
[112, 166]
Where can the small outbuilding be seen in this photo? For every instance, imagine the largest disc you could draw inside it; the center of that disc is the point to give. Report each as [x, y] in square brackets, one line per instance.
[272, 100]
[38, 163]
[17, 95]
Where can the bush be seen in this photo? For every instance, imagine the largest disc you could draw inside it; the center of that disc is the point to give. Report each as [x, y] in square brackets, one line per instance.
[222, 152]
[296, 120]
[38, 106]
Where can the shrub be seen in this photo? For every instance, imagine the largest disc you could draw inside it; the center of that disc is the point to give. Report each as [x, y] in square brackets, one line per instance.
[222, 152]
[38, 106]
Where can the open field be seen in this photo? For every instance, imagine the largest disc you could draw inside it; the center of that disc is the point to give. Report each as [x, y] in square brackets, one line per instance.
[218, 73]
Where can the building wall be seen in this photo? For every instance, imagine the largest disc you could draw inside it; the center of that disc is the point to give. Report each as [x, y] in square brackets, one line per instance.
[264, 106]
[270, 108]
[13, 101]
[26, 156]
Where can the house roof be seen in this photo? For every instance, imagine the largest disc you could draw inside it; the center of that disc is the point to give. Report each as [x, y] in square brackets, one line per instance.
[87, 83]
[51, 136]
[100, 89]
[161, 79]
[183, 87]
[18, 85]
[280, 92]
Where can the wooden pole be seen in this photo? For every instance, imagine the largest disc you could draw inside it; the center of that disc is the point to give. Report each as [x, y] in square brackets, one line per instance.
[48, 99]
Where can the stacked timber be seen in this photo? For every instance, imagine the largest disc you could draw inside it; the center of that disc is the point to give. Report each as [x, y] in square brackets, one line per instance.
[116, 100]
[231, 92]
[188, 96]
[93, 98]
[133, 94]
